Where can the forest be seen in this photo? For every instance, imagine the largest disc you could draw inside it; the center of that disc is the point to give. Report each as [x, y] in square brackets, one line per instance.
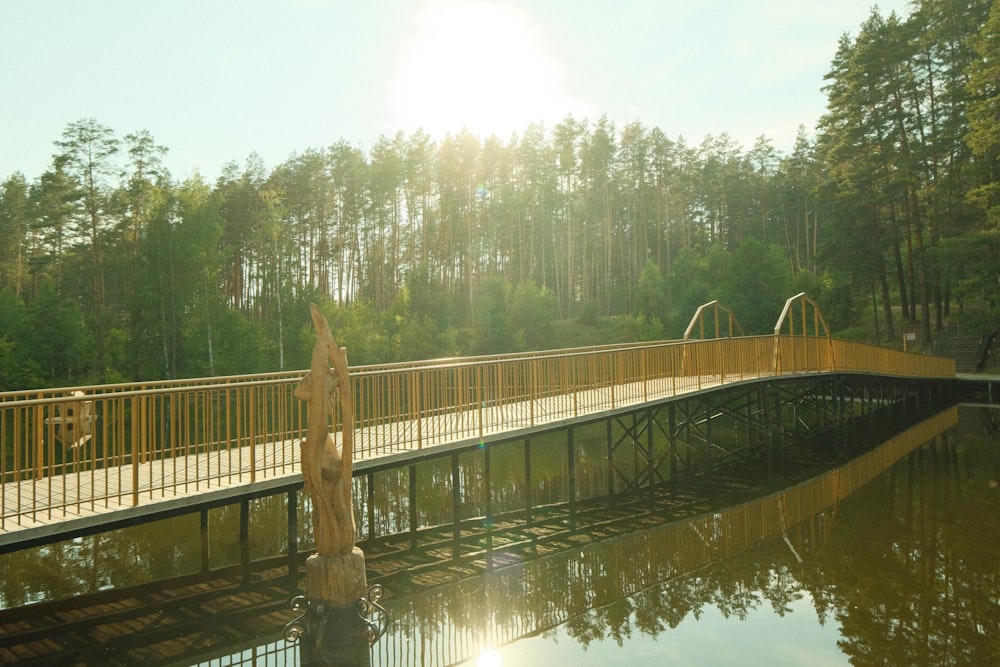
[583, 233]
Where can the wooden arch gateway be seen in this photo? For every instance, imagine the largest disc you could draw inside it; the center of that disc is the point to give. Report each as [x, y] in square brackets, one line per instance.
[801, 318]
[797, 344]
[699, 320]
[807, 306]
[788, 314]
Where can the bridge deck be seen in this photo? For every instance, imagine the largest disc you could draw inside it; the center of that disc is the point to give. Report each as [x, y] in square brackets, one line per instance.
[38, 508]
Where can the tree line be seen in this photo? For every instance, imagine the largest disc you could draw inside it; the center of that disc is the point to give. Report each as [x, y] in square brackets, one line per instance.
[110, 269]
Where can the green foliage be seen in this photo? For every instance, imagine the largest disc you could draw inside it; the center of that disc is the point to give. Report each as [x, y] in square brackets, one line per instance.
[492, 332]
[979, 322]
[13, 314]
[854, 334]
[648, 328]
[983, 110]
[586, 313]
[651, 296]
[58, 339]
[532, 314]
[691, 283]
[356, 326]
[972, 265]
[840, 303]
[17, 372]
[755, 284]
[410, 335]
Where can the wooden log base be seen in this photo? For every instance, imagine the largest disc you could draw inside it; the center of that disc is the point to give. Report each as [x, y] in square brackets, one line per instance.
[336, 635]
[337, 581]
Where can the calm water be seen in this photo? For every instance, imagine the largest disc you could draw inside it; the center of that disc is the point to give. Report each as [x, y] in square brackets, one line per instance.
[903, 571]
[906, 571]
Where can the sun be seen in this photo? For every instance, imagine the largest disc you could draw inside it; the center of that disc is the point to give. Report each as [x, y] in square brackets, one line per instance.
[476, 65]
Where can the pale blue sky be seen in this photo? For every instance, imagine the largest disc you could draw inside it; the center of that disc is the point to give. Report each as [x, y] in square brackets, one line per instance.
[214, 80]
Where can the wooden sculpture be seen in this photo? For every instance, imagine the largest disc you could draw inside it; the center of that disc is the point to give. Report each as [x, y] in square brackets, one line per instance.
[336, 573]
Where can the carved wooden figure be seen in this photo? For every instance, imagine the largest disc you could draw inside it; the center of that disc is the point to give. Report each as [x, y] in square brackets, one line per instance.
[325, 468]
[336, 573]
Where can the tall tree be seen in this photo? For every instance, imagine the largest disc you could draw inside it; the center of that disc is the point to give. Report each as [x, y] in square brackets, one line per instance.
[763, 161]
[537, 185]
[143, 190]
[859, 159]
[799, 176]
[983, 136]
[197, 276]
[15, 233]
[138, 201]
[53, 201]
[87, 151]
[598, 239]
[567, 137]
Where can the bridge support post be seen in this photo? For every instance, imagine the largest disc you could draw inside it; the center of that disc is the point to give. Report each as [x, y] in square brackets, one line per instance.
[650, 455]
[709, 443]
[610, 438]
[779, 427]
[414, 517]
[292, 510]
[528, 482]
[571, 464]
[206, 563]
[244, 531]
[488, 492]
[456, 506]
[672, 441]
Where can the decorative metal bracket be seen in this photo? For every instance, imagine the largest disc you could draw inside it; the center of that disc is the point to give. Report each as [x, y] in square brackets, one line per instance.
[297, 626]
[373, 615]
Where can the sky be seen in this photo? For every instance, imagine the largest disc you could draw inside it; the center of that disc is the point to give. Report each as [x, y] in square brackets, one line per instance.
[216, 80]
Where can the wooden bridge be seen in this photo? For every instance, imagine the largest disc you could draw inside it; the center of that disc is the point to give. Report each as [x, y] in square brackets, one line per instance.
[74, 459]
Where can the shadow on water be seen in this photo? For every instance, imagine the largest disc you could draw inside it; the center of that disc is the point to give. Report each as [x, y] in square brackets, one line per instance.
[897, 547]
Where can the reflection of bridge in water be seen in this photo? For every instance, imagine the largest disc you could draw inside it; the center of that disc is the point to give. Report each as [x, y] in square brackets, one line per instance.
[121, 454]
[457, 590]
[524, 596]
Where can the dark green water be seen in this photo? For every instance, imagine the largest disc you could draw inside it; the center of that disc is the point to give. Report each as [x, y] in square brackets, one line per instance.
[904, 571]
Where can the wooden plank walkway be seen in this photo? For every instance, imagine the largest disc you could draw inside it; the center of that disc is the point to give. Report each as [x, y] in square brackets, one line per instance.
[77, 501]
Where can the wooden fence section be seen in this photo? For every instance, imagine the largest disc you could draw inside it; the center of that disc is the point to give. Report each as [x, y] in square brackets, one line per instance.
[84, 450]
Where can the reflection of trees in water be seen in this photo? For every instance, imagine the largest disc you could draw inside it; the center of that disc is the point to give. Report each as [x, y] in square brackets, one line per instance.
[908, 566]
[98, 562]
[141, 554]
[508, 490]
[910, 569]
[917, 565]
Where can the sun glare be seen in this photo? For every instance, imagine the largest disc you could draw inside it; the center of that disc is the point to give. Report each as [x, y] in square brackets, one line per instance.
[489, 659]
[477, 65]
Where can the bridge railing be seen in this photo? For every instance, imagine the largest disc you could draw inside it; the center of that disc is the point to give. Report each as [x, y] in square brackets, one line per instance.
[69, 449]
